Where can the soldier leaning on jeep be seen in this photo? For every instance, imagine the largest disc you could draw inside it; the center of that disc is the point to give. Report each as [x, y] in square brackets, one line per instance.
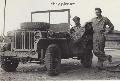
[99, 27]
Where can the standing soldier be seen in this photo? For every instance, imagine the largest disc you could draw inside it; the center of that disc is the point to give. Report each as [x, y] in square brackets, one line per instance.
[99, 24]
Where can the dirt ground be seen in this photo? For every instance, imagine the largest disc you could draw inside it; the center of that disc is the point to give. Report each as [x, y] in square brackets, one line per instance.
[71, 69]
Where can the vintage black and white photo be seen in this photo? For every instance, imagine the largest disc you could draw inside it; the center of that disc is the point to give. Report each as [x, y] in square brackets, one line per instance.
[44, 40]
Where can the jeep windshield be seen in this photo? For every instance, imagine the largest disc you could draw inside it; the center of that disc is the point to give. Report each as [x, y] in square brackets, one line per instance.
[59, 19]
[51, 16]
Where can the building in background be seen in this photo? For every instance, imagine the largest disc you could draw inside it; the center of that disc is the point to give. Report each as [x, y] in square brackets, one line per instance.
[113, 40]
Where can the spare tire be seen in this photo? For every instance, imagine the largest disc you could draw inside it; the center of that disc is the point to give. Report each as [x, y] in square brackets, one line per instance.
[35, 25]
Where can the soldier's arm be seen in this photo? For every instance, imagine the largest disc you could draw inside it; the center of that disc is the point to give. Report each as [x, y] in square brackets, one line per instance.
[111, 26]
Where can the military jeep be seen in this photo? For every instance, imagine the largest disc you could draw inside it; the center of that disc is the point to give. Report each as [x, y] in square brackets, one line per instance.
[43, 43]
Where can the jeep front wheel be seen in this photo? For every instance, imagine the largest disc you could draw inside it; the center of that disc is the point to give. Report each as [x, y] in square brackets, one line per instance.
[53, 59]
[9, 65]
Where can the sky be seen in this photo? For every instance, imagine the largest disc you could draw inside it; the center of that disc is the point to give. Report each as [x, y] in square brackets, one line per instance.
[18, 11]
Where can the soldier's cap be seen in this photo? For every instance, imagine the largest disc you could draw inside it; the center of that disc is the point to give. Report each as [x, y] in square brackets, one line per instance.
[76, 18]
[98, 9]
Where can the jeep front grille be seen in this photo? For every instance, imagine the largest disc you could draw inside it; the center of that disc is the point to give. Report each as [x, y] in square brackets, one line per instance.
[23, 40]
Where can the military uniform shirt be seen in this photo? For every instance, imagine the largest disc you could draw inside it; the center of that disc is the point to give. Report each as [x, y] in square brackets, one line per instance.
[99, 25]
[77, 32]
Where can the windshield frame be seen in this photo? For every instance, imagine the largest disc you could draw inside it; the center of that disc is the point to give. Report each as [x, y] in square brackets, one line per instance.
[49, 11]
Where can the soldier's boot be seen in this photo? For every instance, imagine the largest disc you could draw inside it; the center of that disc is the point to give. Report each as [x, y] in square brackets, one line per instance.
[109, 58]
[100, 65]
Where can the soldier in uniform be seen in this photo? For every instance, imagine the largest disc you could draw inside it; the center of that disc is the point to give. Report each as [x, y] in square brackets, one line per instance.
[99, 24]
[76, 29]
[82, 42]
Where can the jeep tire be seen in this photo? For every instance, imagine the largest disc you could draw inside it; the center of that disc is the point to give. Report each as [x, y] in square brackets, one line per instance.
[53, 60]
[9, 65]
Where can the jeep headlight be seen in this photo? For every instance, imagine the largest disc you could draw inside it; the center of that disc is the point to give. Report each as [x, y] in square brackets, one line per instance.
[37, 35]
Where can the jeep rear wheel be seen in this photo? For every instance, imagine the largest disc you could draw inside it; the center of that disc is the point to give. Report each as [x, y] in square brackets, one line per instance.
[53, 60]
[9, 65]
